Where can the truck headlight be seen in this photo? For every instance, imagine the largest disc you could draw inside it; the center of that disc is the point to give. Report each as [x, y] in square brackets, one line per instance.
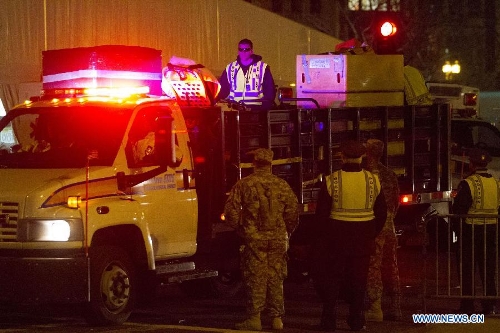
[49, 230]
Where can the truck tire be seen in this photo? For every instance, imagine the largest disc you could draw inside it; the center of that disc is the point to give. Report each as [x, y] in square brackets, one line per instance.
[227, 284]
[113, 289]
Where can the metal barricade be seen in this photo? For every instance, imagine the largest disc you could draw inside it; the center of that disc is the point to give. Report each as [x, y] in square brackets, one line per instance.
[461, 257]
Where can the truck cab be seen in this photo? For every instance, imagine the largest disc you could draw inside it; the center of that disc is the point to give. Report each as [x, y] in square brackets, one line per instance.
[94, 183]
[111, 188]
[468, 133]
[468, 130]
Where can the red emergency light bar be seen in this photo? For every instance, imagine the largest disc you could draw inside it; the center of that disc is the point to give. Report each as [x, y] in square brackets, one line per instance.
[102, 66]
[110, 92]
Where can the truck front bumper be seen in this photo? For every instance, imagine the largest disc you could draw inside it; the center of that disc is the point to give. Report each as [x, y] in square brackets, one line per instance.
[29, 277]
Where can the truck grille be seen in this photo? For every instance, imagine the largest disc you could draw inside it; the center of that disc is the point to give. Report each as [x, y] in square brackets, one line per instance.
[8, 221]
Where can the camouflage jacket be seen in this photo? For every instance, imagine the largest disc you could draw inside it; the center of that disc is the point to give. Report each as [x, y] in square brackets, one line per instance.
[262, 206]
[390, 187]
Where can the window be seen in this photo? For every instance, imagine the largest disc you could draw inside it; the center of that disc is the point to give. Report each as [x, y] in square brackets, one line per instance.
[141, 146]
[485, 137]
[468, 135]
[62, 137]
[367, 5]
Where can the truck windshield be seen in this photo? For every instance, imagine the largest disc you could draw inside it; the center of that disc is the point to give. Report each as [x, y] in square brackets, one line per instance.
[476, 134]
[61, 137]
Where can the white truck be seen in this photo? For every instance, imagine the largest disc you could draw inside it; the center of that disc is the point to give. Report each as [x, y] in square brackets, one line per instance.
[469, 129]
[109, 191]
[93, 208]
[463, 100]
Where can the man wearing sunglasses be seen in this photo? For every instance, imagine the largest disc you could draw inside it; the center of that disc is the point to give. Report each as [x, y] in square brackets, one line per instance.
[248, 79]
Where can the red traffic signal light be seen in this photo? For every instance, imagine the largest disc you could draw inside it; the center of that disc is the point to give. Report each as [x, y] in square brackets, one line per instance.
[387, 35]
[388, 29]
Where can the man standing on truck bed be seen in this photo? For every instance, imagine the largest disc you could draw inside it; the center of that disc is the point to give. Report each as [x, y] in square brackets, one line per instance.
[263, 209]
[248, 78]
[351, 211]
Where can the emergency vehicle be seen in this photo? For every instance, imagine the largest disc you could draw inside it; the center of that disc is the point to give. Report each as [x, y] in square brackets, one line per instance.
[464, 105]
[463, 100]
[468, 128]
[109, 190]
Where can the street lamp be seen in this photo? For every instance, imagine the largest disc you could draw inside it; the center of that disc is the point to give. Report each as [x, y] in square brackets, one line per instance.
[450, 69]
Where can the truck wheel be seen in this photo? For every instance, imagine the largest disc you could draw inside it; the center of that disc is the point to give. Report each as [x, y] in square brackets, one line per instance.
[227, 284]
[112, 286]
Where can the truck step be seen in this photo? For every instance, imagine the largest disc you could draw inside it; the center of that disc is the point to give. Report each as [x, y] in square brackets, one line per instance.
[192, 275]
[175, 267]
[176, 272]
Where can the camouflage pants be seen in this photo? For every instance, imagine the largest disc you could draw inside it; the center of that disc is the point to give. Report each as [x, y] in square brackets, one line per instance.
[264, 267]
[383, 274]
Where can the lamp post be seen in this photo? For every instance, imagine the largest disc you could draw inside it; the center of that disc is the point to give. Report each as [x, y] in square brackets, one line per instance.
[450, 69]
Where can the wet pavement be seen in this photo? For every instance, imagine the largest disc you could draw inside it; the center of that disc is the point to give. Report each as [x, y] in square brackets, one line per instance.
[172, 311]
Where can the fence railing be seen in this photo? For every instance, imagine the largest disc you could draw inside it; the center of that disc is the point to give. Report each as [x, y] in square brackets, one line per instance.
[461, 257]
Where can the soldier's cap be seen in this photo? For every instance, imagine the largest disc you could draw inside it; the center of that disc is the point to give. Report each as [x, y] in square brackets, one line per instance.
[352, 149]
[479, 157]
[262, 155]
[374, 147]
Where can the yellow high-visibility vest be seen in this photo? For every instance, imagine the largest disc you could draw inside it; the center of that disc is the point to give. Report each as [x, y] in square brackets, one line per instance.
[485, 198]
[246, 86]
[353, 195]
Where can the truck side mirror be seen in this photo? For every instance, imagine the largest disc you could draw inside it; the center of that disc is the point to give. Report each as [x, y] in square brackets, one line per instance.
[164, 141]
[122, 181]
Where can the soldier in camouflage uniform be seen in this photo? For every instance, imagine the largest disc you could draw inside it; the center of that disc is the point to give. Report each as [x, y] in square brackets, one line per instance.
[263, 210]
[383, 274]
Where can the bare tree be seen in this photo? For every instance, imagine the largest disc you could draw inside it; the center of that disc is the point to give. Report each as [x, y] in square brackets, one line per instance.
[433, 32]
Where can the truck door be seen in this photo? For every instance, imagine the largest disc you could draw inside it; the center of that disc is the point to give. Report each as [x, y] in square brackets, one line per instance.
[169, 208]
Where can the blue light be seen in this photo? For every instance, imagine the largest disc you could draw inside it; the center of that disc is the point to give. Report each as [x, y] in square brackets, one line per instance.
[319, 126]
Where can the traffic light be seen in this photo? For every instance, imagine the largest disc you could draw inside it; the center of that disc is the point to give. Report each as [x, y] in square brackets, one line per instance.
[387, 36]
[388, 29]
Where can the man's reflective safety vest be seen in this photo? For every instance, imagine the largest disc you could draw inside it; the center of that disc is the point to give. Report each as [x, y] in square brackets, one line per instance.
[353, 195]
[246, 86]
[485, 198]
